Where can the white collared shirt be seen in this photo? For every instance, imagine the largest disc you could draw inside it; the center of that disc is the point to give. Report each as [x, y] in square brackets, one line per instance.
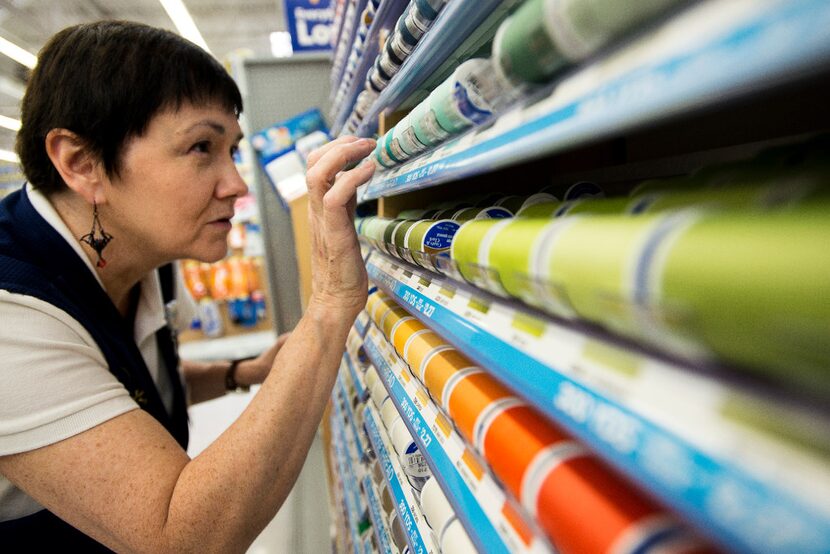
[54, 380]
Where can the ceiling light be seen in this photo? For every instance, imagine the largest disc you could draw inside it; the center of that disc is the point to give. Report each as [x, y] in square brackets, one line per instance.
[183, 22]
[17, 53]
[9, 123]
[281, 44]
[9, 156]
[11, 88]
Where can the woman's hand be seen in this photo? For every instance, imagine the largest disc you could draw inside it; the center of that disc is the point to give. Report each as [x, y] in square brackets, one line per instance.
[339, 282]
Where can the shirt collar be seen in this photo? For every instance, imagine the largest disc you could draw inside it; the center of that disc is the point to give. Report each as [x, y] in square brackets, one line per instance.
[149, 316]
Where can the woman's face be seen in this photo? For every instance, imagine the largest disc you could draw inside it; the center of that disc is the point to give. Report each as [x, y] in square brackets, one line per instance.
[174, 195]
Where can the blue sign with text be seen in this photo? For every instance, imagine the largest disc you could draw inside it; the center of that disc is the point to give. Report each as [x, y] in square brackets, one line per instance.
[310, 24]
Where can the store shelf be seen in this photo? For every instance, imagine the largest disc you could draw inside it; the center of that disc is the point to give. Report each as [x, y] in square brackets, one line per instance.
[713, 51]
[665, 425]
[349, 413]
[379, 526]
[385, 18]
[360, 5]
[357, 381]
[350, 493]
[457, 21]
[488, 516]
[417, 531]
[362, 322]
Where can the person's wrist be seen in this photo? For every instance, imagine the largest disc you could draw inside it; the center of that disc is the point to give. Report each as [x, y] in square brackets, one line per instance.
[233, 381]
[336, 308]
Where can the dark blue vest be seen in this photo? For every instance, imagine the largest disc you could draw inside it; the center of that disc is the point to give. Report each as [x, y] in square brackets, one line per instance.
[35, 260]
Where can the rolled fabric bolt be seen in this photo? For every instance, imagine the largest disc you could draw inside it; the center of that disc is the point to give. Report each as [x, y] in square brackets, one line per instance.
[375, 302]
[377, 473]
[407, 141]
[598, 284]
[538, 198]
[776, 196]
[419, 345]
[385, 305]
[410, 33]
[435, 506]
[386, 500]
[429, 9]
[428, 239]
[387, 67]
[542, 210]
[387, 146]
[544, 36]
[465, 247]
[412, 25]
[438, 367]
[425, 125]
[494, 212]
[620, 515]
[470, 397]
[412, 214]
[388, 233]
[378, 393]
[388, 413]
[391, 245]
[371, 377]
[398, 48]
[403, 332]
[450, 210]
[583, 189]
[412, 460]
[592, 206]
[512, 203]
[391, 318]
[382, 157]
[397, 530]
[513, 438]
[465, 214]
[747, 287]
[456, 540]
[468, 97]
[380, 307]
[399, 239]
[516, 261]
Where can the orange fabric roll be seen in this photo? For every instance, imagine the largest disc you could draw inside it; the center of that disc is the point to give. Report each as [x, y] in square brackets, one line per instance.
[584, 485]
[403, 332]
[439, 368]
[391, 318]
[470, 397]
[513, 440]
[419, 346]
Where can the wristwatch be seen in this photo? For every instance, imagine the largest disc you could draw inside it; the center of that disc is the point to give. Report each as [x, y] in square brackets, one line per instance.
[230, 376]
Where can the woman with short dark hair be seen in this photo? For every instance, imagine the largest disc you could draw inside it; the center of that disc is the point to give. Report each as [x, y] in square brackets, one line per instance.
[127, 142]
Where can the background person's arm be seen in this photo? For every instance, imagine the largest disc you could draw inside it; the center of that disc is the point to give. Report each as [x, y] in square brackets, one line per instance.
[206, 380]
[128, 484]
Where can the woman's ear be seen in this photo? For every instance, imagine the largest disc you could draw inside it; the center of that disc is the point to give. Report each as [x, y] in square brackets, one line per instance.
[79, 168]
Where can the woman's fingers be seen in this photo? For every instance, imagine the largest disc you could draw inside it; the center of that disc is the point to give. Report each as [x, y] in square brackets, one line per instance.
[321, 176]
[315, 155]
[346, 184]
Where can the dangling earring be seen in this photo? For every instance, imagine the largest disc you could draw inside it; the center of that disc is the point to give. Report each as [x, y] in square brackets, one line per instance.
[97, 238]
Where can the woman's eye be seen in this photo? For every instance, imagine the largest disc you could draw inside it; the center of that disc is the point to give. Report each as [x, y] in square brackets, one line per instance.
[203, 147]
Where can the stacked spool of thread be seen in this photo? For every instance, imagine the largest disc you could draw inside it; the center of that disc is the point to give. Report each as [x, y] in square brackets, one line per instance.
[555, 478]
